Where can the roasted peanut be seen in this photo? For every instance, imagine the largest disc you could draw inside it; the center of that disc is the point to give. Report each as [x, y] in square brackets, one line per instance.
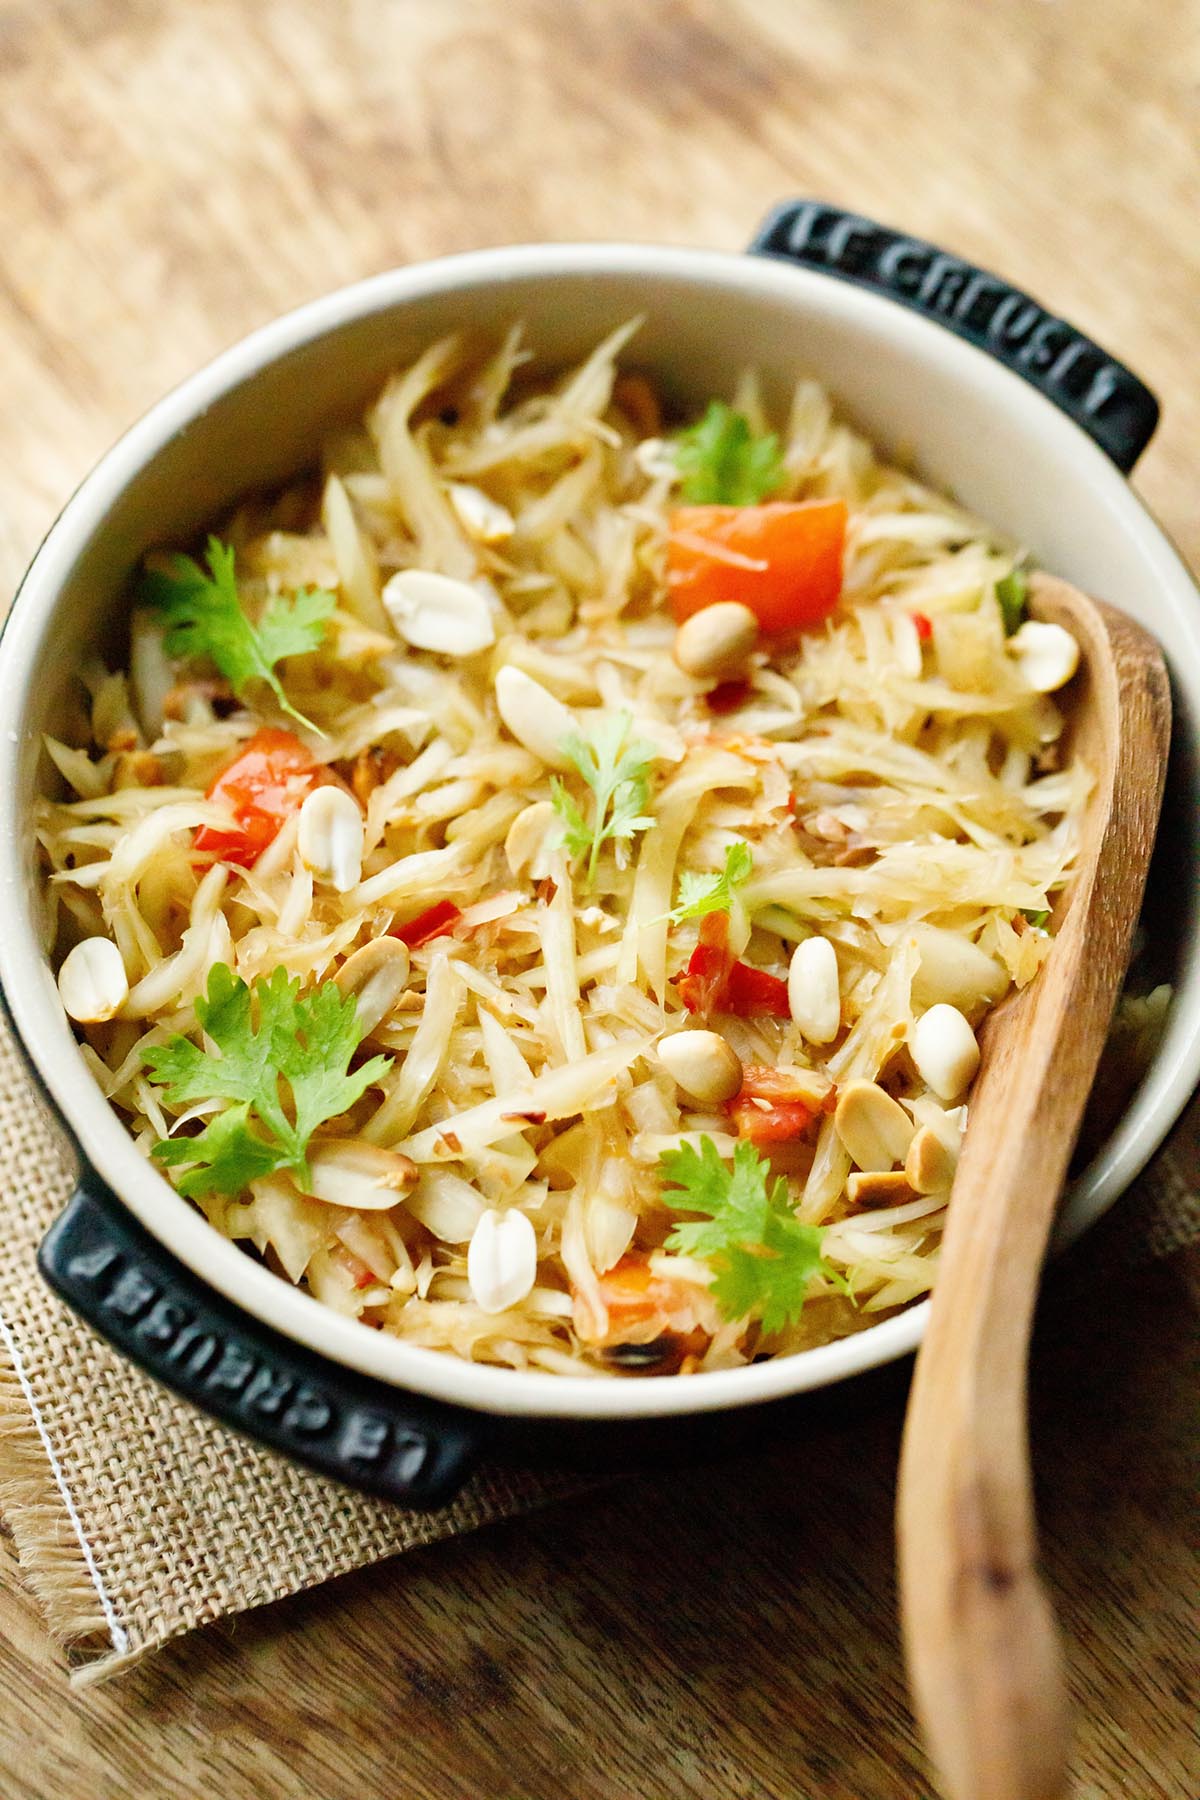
[880, 1187]
[377, 976]
[716, 643]
[944, 1049]
[330, 838]
[435, 612]
[929, 1165]
[875, 1130]
[92, 982]
[1047, 655]
[814, 996]
[502, 1260]
[533, 715]
[365, 1177]
[703, 1065]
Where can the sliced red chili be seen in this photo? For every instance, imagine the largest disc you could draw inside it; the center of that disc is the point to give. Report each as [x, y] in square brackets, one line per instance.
[924, 625]
[436, 921]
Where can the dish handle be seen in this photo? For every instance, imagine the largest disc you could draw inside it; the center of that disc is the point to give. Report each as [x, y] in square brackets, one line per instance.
[151, 1307]
[1091, 387]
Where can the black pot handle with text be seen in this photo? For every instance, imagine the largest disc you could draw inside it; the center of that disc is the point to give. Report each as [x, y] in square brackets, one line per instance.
[154, 1310]
[1115, 409]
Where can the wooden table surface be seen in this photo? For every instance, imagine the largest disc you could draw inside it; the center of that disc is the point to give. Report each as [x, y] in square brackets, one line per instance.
[174, 172]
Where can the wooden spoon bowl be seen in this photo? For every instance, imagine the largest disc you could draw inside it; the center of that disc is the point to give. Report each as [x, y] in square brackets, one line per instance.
[984, 1661]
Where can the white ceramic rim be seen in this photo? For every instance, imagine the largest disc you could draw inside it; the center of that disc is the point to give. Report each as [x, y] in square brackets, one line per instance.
[183, 1231]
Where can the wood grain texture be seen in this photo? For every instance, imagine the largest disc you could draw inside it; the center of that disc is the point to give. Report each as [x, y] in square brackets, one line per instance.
[981, 1645]
[175, 172]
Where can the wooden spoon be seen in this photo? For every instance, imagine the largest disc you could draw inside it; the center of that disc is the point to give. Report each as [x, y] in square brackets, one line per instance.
[984, 1661]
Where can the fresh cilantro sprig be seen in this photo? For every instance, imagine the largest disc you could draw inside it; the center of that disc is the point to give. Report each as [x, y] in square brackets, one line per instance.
[721, 462]
[618, 773]
[714, 892]
[1012, 592]
[260, 1036]
[204, 617]
[763, 1256]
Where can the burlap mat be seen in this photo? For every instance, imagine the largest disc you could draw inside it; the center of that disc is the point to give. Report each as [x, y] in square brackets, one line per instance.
[136, 1518]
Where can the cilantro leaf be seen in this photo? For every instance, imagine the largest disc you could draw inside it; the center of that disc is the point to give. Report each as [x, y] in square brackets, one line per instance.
[721, 462]
[774, 1284]
[204, 617]
[313, 1040]
[305, 1041]
[187, 1073]
[1012, 591]
[763, 1257]
[577, 833]
[292, 627]
[700, 894]
[618, 774]
[735, 1202]
[227, 1156]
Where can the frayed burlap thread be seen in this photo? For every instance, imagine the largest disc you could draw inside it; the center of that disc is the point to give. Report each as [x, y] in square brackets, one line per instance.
[137, 1518]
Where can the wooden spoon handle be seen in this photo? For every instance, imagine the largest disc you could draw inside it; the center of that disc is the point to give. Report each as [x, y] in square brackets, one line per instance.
[983, 1653]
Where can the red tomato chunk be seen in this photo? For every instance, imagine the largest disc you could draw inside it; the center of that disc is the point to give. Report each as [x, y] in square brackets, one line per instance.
[783, 560]
[715, 981]
[264, 785]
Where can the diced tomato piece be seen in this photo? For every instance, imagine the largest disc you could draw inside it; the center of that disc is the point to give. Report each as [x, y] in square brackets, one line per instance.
[641, 1305]
[790, 1108]
[777, 1124]
[702, 984]
[783, 560]
[262, 787]
[436, 921]
[749, 991]
[761, 1082]
[632, 1291]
